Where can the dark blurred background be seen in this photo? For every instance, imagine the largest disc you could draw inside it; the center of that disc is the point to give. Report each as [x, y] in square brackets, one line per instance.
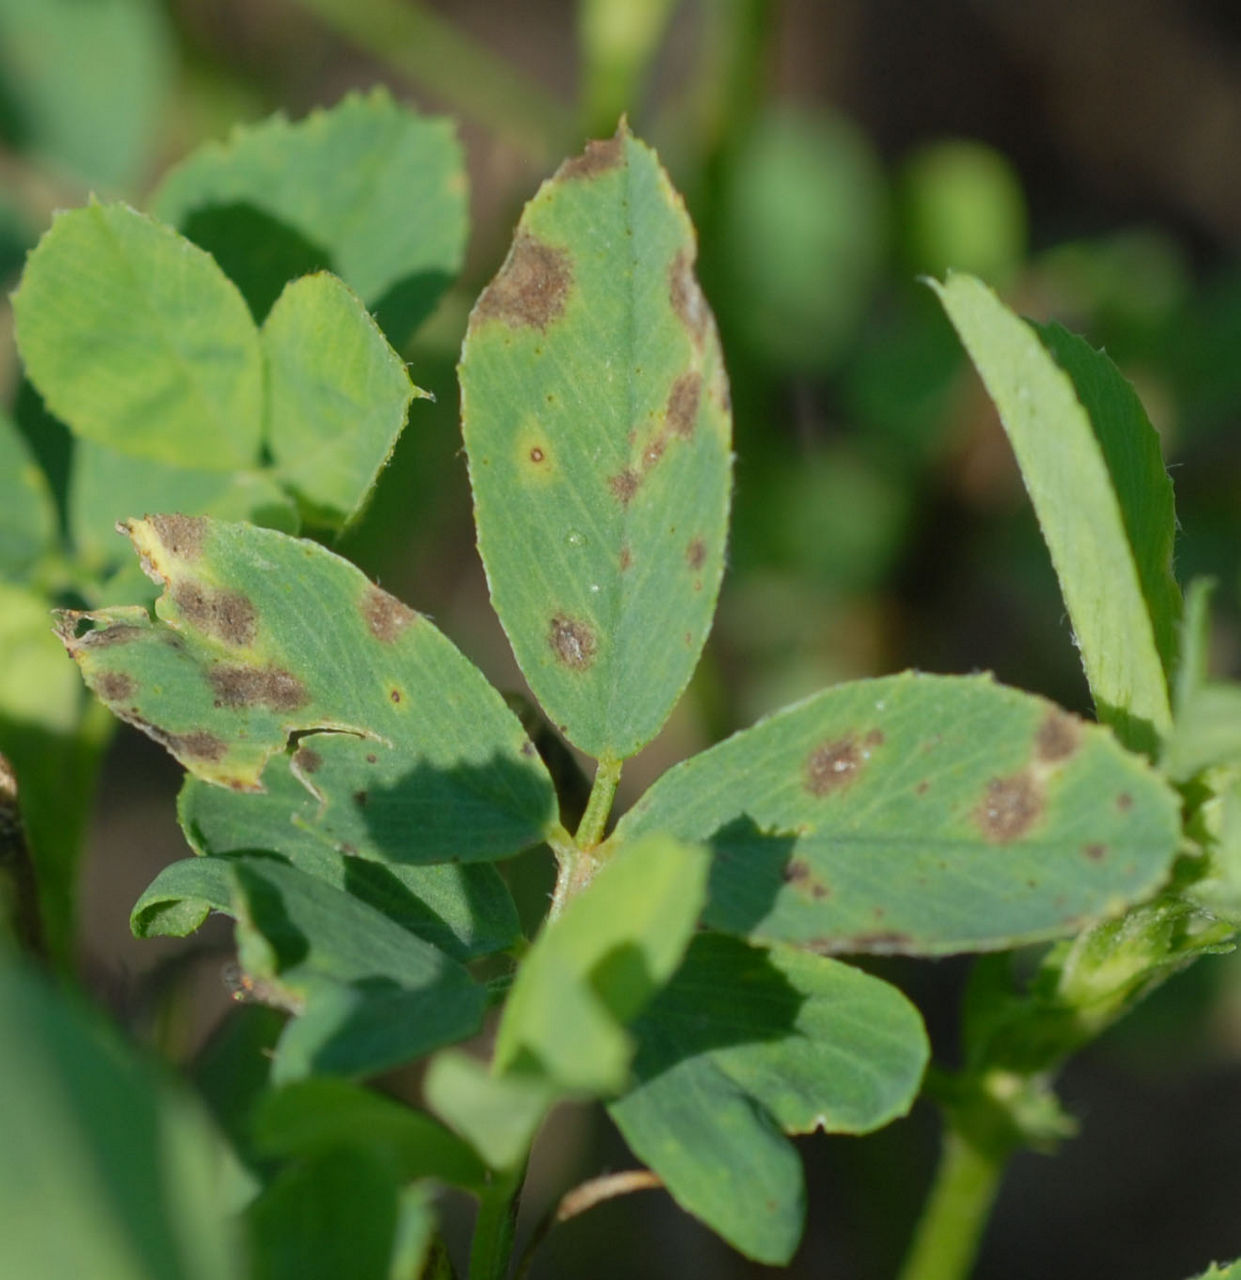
[1083, 156]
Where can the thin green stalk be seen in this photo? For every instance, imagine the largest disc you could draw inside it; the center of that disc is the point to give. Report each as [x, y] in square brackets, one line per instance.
[491, 1250]
[949, 1232]
[599, 806]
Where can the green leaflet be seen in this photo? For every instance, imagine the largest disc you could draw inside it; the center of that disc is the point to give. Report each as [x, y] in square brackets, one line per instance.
[744, 1046]
[337, 395]
[84, 85]
[1222, 1271]
[136, 339]
[106, 1169]
[410, 755]
[917, 814]
[595, 414]
[593, 968]
[1091, 463]
[368, 189]
[27, 512]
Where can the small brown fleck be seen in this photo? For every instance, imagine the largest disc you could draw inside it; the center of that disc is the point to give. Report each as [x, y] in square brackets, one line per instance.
[199, 745]
[874, 738]
[530, 288]
[696, 554]
[1057, 737]
[385, 615]
[395, 695]
[271, 687]
[626, 559]
[923, 787]
[572, 642]
[181, 535]
[221, 612]
[370, 759]
[832, 766]
[600, 156]
[360, 798]
[307, 760]
[115, 686]
[1011, 807]
[685, 294]
[1095, 852]
[1124, 802]
[537, 454]
[527, 749]
[683, 401]
[799, 874]
[624, 485]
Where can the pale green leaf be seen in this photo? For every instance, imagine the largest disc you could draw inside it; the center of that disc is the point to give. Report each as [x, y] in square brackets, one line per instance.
[337, 395]
[27, 512]
[596, 420]
[918, 814]
[744, 1046]
[595, 966]
[136, 339]
[368, 189]
[1090, 461]
[1221, 1271]
[105, 1170]
[409, 755]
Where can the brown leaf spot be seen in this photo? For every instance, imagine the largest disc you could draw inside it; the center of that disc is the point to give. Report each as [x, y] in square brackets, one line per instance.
[572, 642]
[1095, 852]
[115, 686]
[395, 695]
[198, 745]
[1057, 737]
[386, 617]
[181, 535]
[360, 798]
[1124, 802]
[832, 766]
[1009, 809]
[530, 288]
[537, 455]
[696, 554]
[799, 874]
[686, 297]
[103, 637]
[371, 759]
[875, 738]
[626, 559]
[923, 787]
[600, 156]
[624, 485]
[239, 686]
[683, 400]
[224, 613]
[307, 760]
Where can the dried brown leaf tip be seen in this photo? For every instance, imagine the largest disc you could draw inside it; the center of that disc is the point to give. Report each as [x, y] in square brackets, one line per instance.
[833, 765]
[1010, 808]
[386, 617]
[601, 156]
[572, 642]
[531, 287]
[229, 615]
[182, 536]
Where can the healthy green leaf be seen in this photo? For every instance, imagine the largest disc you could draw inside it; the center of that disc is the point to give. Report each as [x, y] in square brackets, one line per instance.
[27, 512]
[105, 1170]
[593, 968]
[368, 189]
[496, 1114]
[744, 1046]
[917, 814]
[84, 84]
[596, 420]
[137, 340]
[405, 753]
[1091, 463]
[312, 1116]
[337, 396]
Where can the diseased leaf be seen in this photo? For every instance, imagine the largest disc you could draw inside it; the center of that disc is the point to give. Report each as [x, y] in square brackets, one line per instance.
[368, 189]
[744, 1046]
[137, 340]
[1090, 460]
[918, 814]
[406, 752]
[596, 420]
[106, 1170]
[27, 512]
[594, 967]
[337, 395]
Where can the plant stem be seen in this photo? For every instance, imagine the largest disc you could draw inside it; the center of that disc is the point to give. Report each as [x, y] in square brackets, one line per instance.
[495, 1228]
[599, 806]
[949, 1232]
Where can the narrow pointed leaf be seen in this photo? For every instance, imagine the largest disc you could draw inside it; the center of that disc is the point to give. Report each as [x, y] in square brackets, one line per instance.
[337, 395]
[596, 420]
[1090, 460]
[918, 814]
[367, 189]
[594, 967]
[744, 1046]
[412, 756]
[136, 339]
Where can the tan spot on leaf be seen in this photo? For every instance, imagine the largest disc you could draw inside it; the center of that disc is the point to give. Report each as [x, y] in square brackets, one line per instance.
[115, 686]
[530, 288]
[198, 745]
[626, 559]
[307, 759]
[219, 612]
[685, 294]
[696, 554]
[624, 485]
[682, 411]
[386, 616]
[1009, 809]
[1124, 802]
[1057, 737]
[600, 156]
[242, 686]
[1096, 852]
[572, 642]
[799, 874]
[181, 535]
[832, 766]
